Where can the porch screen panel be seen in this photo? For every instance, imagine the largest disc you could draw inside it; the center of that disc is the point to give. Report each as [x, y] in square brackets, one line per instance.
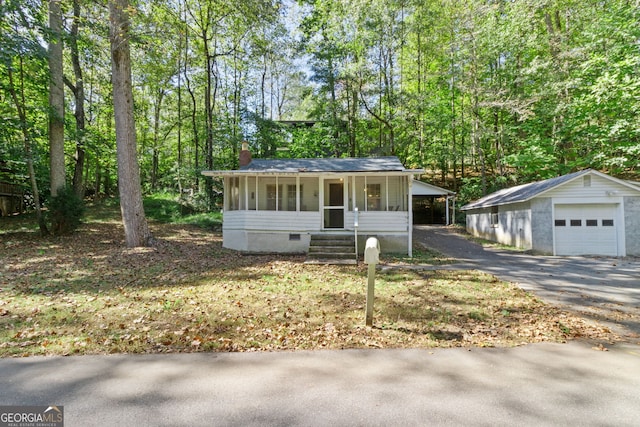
[397, 193]
[233, 193]
[242, 193]
[288, 198]
[376, 191]
[361, 192]
[270, 194]
[251, 192]
[309, 190]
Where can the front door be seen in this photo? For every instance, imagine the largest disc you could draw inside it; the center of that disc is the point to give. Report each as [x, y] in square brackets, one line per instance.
[333, 204]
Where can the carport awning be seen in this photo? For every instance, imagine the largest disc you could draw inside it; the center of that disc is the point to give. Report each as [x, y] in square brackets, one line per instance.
[420, 188]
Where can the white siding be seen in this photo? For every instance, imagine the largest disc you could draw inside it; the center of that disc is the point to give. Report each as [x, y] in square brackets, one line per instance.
[271, 221]
[513, 227]
[598, 187]
[369, 222]
[372, 222]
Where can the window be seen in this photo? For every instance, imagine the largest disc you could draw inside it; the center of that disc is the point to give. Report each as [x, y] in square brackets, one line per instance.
[494, 216]
[374, 197]
[561, 222]
[592, 223]
[576, 223]
[607, 223]
[294, 236]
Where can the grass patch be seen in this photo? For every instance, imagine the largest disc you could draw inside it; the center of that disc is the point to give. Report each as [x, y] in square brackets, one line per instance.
[88, 294]
[169, 208]
[161, 207]
[421, 255]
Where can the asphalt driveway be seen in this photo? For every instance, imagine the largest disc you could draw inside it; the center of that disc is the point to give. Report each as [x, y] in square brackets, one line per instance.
[604, 289]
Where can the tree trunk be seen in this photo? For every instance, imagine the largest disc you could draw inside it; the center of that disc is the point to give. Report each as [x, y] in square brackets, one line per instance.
[179, 147]
[78, 93]
[56, 99]
[96, 196]
[155, 156]
[136, 229]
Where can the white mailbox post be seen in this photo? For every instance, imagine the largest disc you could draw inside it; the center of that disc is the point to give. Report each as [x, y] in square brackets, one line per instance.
[371, 257]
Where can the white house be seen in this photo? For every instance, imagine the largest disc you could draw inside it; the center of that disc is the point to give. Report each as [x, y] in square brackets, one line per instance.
[277, 205]
[583, 213]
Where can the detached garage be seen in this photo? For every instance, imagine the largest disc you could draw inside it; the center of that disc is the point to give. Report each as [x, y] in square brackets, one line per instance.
[583, 213]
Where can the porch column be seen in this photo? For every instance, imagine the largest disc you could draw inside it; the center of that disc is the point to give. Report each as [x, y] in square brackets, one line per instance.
[246, 193]
[297, 193]
[410, 225]
[226, 194]
[353, 192]
[446, 222]
[386, 193]
[454, 210]
[257, 195]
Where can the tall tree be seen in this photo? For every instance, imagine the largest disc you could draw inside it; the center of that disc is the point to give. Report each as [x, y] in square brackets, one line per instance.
[56, 99]
[136, 229]
[77, 87]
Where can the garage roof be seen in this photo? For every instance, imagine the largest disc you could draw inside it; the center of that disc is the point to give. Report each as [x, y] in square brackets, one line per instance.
[525, 192]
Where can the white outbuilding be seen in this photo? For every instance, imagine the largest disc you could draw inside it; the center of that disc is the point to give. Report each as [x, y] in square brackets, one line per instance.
[582, 213]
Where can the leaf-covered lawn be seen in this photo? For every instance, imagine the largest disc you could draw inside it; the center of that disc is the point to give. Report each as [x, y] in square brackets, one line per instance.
[87, 294]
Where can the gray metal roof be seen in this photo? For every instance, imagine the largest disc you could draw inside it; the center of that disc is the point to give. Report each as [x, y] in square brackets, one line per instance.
[368, 164]
[522, 193]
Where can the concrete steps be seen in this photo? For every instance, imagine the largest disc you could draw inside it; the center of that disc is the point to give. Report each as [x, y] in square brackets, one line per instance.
[332, 249]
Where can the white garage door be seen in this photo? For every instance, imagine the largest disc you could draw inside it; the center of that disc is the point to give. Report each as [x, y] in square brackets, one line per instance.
[586, 229]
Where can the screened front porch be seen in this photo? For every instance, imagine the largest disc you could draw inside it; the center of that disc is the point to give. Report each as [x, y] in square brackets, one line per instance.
[281, 211]
[334, 197]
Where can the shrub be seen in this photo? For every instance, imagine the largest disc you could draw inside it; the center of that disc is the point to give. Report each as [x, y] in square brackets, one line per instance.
[65, 212]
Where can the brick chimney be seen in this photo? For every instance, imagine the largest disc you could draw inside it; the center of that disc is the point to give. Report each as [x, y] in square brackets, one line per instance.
[245, 154]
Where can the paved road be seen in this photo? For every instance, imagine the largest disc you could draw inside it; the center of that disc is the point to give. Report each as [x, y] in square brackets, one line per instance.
[536, 385]
[605, 289]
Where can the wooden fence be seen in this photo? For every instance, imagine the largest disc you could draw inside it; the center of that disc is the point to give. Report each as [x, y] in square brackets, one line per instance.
[7, 189]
